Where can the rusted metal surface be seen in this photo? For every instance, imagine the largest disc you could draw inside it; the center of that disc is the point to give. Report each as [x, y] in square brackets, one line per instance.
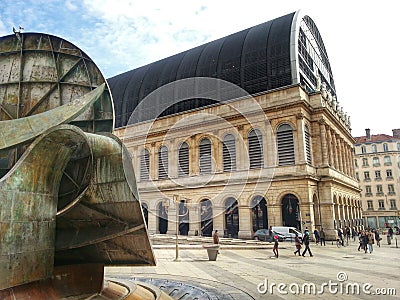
[68, 195]
[40, 72]
[14, 132]
[67, 282]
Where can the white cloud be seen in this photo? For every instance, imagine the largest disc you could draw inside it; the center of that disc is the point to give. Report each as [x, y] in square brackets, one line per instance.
[119, 35]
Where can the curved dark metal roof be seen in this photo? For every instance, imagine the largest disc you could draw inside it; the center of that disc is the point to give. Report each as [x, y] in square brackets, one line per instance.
[274, 54]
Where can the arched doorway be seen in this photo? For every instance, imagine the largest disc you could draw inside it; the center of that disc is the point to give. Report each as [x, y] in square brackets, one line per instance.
[183, 218]
[259, 213]
[231, 218]
[145, 210]
[291, 211]
[162, 218]
[206, 216]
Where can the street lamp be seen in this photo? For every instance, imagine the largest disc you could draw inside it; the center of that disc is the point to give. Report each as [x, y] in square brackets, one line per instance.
[176, 200]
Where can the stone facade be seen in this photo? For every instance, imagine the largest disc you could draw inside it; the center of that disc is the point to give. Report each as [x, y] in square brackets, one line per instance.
[317, 189]
[377, 161]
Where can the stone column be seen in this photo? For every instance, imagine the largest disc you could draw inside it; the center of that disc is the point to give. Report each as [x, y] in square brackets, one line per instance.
[270, 153]
[219, 219]
[153, 164]
[330, 148]
[301, 149]
[245, 229]
[194, 168]
[274, 212]
[324, 147]
[340, 152]
[152, 216]
[327, 217]
[172, 160]
[194, 219]
[241, 149]
[172, 214]
[335, 151]
[217, 153]
[307, 208]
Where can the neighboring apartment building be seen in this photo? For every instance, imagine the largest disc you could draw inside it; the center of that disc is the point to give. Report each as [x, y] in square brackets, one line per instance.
[211, 156]
[377, 162]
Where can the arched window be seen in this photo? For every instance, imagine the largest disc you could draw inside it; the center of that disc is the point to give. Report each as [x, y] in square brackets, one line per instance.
[255, 149]
[385, 147]
[374, 149]
[163, 162]
[285, 145]
[229, 153]
[144, 164]
[183, 160]
[307, 144]
[205, 162]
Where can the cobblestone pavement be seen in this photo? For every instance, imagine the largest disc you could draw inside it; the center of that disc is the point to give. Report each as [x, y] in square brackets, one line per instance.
[243, 270]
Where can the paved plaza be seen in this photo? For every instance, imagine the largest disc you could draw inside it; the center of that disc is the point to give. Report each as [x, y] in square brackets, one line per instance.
[249, 270]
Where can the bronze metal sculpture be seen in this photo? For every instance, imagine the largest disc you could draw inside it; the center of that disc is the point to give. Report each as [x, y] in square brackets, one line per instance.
[67, 206]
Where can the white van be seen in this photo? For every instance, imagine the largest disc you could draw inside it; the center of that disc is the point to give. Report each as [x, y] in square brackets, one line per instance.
[289, 232]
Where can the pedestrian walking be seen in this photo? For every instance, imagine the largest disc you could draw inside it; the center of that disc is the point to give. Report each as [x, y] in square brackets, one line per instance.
[370, 241]
[340, 235]
[297, 243]
[322, 236]
[216, 237]
[316, 235]
[306, 242]
[276, 245]
[270, 236]
[365, 241]
[377, 237]
[354, 234]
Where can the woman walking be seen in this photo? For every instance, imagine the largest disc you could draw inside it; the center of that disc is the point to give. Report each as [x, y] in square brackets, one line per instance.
[276, 245]
[370, 242]
[297, 243]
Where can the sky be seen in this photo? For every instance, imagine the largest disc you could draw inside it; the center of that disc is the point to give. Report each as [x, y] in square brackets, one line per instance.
[361, 39]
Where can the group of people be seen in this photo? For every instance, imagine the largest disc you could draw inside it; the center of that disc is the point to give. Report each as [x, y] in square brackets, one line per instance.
[367, 240]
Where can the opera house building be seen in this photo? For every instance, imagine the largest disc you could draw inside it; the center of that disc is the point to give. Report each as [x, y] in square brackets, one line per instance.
[241, 133]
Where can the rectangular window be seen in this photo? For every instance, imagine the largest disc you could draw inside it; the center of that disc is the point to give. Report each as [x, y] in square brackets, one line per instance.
[368, 191]
[379, 189]
[391, 189]
[357, 176]
[389, 174]
[365, 162]
[378, 175]
[366, 176]
[370, 205]
[393, 204]
[381, 204]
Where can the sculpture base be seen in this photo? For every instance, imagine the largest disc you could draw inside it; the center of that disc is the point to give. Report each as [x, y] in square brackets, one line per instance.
[83, 282]
[74, 281]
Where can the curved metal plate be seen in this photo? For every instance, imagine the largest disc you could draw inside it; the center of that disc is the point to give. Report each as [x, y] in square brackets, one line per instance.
[14, 132]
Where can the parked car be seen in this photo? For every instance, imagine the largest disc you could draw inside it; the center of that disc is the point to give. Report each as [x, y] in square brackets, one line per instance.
[263, 235]
[288, 232]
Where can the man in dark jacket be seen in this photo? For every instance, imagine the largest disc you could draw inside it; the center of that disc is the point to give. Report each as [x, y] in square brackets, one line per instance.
[306, 242]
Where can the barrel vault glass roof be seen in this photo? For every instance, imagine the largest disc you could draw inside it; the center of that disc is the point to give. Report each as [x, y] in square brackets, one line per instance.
[284, 51]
